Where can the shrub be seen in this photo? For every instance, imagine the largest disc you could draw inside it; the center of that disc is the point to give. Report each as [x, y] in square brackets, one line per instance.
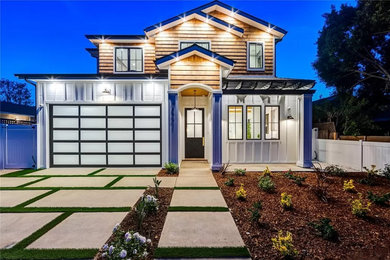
[241, 193]
[359, 209]
[378, 199]
[284, 244]
[172, 168]
[267, 172]
[285, 201]
[240, 172]
[156, 185]
[334, 170]
[370, 175]
[348, 186]
[297, 179]
[255, 211]
[230, 182]
[266, 184]
[147, 205]
[129, 245]
[386, 171]
[320, 189]
[325, 229]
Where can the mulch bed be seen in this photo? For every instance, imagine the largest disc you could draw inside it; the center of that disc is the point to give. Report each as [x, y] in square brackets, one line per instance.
[358, 238]
[163, 173]
[153, 224]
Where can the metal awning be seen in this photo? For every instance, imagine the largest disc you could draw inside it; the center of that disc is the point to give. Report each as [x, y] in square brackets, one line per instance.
[267, 86]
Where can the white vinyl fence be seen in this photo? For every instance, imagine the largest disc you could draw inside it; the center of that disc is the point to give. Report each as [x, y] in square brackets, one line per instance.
[352, 154]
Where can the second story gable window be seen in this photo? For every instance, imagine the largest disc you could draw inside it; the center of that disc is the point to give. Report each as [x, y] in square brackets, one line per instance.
[128, 59]
[255, 57]
[203, 44]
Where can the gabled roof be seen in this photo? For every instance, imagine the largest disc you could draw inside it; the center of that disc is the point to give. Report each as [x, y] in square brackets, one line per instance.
[201, 13]
[194, 49]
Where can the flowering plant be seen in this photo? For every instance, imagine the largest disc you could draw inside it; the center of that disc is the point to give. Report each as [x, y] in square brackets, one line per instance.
[126, 245]
[285, 201]
[358, 208]
[284, 244]
[241, 193]
[267, 172]
[147, 205]
[348, 186]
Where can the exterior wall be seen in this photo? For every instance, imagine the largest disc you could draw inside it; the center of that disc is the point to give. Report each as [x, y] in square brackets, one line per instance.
[283, 150]
[194, 69]
[87, 92]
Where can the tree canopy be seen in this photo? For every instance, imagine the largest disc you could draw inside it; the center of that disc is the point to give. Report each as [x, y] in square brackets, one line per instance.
[15, 92]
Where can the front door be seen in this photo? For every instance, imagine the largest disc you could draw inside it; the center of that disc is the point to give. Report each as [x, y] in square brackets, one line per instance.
[194, 133]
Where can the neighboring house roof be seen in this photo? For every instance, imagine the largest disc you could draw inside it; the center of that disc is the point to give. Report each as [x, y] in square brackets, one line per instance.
[92, 76]
[194, 49]
[11, 108]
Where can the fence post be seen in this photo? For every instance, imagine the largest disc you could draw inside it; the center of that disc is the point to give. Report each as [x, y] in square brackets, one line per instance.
[361, 154]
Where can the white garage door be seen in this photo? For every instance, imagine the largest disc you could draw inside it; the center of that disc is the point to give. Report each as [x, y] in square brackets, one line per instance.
[105, 135]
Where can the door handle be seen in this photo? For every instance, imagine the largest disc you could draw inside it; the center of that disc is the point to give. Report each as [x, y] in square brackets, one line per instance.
[203, 140]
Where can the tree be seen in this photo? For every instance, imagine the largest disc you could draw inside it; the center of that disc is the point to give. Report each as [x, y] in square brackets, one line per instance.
[15, 92]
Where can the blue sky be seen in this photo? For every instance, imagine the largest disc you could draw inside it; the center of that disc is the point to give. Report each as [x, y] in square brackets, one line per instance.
[48, 36]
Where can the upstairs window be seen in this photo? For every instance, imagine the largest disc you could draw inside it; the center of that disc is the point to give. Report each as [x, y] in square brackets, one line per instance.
[255, 56]
[186, 44]
[235, 122]
[272, 121]
[128, 59]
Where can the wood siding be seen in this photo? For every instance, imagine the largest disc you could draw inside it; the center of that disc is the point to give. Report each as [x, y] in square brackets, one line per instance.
[194, 69]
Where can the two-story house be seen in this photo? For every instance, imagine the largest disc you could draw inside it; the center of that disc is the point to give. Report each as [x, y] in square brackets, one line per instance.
[201, 84]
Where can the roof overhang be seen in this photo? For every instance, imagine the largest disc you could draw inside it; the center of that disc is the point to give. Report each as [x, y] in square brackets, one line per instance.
[271, 86]
[96, 39]
[92, 77]
[193, 14]
[164, 62]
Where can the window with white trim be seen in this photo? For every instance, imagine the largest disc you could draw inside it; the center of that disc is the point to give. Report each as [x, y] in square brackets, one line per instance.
[185, 44]
[272, 121]
[253, 122]
[255, 56]
[128, 59]
[235, 116]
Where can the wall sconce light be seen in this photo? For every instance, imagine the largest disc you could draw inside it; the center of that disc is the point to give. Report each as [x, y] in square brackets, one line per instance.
[289, 116]
[106, 91]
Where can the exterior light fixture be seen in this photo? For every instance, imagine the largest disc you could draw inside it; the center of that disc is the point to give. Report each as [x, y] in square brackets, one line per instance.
[289, 116]
[194, 108]
[106, 91]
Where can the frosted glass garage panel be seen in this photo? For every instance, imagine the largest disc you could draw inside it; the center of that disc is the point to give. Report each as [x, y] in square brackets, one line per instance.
[93, 159]
[65, 147]
[92, 111]
[65, 122]
[92, 123]
[147, 147]
[71, 135]
[120, 123]
[120, 135]
[147, 135]
[65, 110]
[93, 147]
[120, 159]
[120, 110]
[120, 147]
[66, 159]
[147, 111]
[147, 159]
[93, 135]
[147, 123]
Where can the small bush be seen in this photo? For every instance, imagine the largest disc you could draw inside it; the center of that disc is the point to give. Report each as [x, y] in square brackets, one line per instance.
[386, 171]
[325, 229]
[320, 189]
[378, 199]
[266, 184]
[285, 201]
[370, 175]
[359, 209]
[267, 172]
[241, 193]
[348, 186]
[284, 244]
[297, 179]
[156, 185]
[240, 172]
[172, 168]
[334, 170]
[147, 205]
[230, 182]
[255, 211]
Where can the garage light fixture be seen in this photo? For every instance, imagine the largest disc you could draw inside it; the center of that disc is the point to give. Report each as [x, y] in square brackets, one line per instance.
[289, 116]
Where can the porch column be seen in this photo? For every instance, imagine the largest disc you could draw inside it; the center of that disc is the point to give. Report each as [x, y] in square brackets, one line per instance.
[217, 132]
[173, 127]
[305, 132]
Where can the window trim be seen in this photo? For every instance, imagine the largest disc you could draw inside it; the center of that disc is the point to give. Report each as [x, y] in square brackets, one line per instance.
[248, 53]
[246, 123]
[129, 71]
[242, 125]
[201, 41]
[265, 111]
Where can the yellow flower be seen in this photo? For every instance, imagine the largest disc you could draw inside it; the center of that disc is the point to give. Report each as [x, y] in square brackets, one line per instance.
[241, 193]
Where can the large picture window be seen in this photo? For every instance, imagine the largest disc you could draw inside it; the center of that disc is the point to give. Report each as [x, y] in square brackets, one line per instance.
[186, 44]
[128, 59]
[272, 122]
[253, 122]
[235, 122]
[255, 56]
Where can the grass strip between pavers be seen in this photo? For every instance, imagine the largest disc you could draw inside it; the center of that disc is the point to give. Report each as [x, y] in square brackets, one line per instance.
[37, 234]
[48, 253]
[114, 181]
[64, 209]
[21, 173]
[93, 173]
[196, 188]
[32, 182]
[75, 188]
[209, 209]
[192, 252]
[88, 176]
[23, 204]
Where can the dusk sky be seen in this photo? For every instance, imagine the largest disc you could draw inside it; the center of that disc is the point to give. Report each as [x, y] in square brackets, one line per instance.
[48, 36]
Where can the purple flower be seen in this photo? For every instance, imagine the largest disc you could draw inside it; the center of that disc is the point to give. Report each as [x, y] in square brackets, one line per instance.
[116, 227]
[134, 251]
[148, 241]
[104, 255]
[105, 247]
[123, 254]
[110, 250]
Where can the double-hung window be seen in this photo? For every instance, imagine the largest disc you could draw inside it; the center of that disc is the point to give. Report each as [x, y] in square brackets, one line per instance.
[235, 122]
[128, 59]
[253, 122]
[272, 121]
[255, 56]
[203, 44]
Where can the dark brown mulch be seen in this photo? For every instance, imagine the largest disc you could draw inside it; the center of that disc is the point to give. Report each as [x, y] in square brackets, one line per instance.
[152, 225]
[163, 173]
[358, 238]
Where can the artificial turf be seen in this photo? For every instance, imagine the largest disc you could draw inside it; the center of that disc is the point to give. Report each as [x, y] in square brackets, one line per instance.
[201, 252]
[210, 209]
